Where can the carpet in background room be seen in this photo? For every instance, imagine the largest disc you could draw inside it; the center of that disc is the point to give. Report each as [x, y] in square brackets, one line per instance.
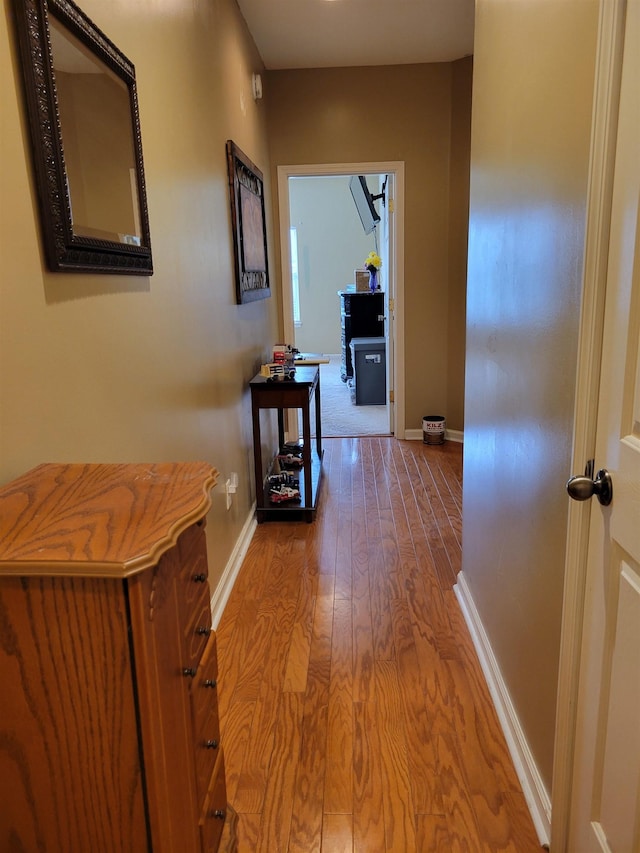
[341, 417]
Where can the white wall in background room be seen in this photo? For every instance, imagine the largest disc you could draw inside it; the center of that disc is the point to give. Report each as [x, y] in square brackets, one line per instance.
[331, 244]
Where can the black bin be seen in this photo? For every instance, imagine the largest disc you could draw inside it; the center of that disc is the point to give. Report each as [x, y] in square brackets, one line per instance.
[368, 356]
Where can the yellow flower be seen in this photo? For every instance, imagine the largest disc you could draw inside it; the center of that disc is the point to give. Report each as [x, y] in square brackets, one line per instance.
[373, 260]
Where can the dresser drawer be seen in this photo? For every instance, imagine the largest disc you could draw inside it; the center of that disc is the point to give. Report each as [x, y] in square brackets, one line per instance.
[215, 809]
[197, 631]
[193, 578]
[206, 723]
[204, 692]
[207, 749]
[191, 538]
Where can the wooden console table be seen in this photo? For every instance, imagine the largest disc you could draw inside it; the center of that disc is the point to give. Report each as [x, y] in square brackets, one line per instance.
[294, 393]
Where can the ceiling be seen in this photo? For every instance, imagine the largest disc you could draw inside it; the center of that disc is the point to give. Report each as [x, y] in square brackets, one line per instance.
[337, 33]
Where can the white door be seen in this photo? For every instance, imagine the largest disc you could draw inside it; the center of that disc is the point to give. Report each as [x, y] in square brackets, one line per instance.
[605, 800]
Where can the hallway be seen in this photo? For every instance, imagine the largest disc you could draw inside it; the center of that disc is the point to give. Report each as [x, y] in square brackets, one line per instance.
[354, 713]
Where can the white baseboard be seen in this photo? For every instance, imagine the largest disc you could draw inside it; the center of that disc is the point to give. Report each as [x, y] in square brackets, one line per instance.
[222, 592]
[449, 434]
[533, 788]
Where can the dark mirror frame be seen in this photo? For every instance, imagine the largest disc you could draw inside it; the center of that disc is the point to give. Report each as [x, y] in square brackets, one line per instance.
[64, 250]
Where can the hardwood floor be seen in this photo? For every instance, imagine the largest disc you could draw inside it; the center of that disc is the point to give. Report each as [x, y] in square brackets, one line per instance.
[355, 716]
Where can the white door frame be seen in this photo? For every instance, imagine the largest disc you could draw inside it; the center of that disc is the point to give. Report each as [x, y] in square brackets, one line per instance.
[395, 328]
[598, 221]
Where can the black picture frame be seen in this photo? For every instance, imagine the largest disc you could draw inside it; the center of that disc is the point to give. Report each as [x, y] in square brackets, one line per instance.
[246, 194]
[38, 24]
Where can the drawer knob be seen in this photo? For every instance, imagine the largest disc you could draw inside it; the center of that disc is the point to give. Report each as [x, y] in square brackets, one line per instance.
[200, 578]
[218, 813]
[203, 631]
[211, 744]
[189, 671]
[210, 682]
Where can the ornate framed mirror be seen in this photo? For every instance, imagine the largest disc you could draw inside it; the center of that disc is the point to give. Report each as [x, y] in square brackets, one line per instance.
[82, 106]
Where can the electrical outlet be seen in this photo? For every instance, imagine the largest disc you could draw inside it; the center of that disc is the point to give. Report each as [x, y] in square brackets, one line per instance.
[230, 488]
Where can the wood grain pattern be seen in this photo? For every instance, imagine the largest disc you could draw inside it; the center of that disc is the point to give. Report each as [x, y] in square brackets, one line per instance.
[273, 836]
[42, 758]
[308, 800]
[109, 732]
[102, 520]
[368, 810]
[338, 775]
[164, 705]
[337, 833]
[348, 674]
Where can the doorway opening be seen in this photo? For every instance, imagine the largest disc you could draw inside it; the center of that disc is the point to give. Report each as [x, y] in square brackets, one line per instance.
[323, 243]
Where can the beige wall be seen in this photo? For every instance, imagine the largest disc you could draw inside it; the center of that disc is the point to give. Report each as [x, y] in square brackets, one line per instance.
[352, 115]
[458, 233]
[104, 368]
[532, 95]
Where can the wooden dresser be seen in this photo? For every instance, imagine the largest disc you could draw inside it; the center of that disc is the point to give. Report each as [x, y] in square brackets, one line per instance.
[109, 731]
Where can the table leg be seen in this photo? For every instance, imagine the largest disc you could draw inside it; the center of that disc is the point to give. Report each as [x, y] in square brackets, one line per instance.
[318, 418]
[280, 429]
[306, 454]
[257, 459]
